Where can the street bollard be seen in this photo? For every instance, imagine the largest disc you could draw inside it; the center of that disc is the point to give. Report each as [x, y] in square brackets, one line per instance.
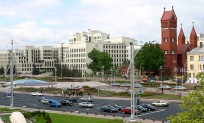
[104, 114]
[87, 113]
[70, 111]
[95, 113]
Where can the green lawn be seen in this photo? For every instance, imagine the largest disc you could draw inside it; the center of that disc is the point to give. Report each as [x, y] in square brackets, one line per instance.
[5, 118]
[63, 118]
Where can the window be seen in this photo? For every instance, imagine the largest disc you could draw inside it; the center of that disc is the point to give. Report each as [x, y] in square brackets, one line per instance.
[172, 39]
[165, 51]
[172, 52]
[191, 58]
[165, 39]
[191, 67]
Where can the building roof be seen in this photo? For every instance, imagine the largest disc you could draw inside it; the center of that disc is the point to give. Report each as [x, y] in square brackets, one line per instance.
[193, 32]
[181, 48]
[167, 15]
[181, 34]
[197, 50]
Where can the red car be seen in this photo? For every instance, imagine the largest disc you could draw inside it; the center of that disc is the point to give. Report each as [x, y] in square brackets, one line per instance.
[127, 110]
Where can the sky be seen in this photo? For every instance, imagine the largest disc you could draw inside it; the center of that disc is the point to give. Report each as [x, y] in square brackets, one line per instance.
[50, 22]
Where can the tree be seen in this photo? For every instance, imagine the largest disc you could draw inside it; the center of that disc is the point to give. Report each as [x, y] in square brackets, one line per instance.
[99, 59]
[35, 71]
[150, 57]
[192, 106]
[2, 71]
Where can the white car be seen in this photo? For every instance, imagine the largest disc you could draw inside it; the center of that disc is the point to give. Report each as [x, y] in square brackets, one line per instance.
[86, 104]
[160, 103]
[45, 101]
[86, 98]
[36, 94]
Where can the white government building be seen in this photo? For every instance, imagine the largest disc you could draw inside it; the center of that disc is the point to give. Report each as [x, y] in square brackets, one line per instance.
[74, 53]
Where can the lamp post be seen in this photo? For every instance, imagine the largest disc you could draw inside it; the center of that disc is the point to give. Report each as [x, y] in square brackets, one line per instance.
[176, 69]
[161, 78]
[182, 70]
[11, 74]
[55, 74]
[132, 73]
[111, 77]
[102, 73]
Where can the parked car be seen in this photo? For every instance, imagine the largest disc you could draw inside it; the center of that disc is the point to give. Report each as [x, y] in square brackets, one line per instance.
[160, 103]
[108, 108]
[149, 107]
[116, 106]
[8, 94]
[165, 87]
[54, 103]
[140, 108]
[86, 105]
[36, 94]
[86, 98]
[127, 110]
[72, 99]
[41, 98]
[45, 101]
[66, 103]
[180, 88]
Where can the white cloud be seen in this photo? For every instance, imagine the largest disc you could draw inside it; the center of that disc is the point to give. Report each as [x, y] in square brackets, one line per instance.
[51, 21]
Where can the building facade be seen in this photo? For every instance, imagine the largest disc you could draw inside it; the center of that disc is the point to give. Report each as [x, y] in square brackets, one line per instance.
[76, 51]
[24, 58]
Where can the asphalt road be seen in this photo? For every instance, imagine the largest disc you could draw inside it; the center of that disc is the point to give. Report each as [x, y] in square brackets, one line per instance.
[26, 100]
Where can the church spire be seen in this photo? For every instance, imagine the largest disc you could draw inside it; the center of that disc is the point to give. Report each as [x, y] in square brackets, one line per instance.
[193, 37]
[181, 37]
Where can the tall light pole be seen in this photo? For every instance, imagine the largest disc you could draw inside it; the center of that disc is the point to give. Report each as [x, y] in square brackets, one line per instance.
[176, 69]
[182, 70]
[11, 74]
[102, 73]
[111, 77]
[114, 70]
[61, 57]
[161, 78]
[132, 73]
[55, 74]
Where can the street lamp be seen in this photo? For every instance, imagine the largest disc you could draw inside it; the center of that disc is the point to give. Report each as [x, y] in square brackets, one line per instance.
[161, 78]
[132, 73]
[102, 73]
[111, 77]
[55, 74]
[176, 69]
[11, 74]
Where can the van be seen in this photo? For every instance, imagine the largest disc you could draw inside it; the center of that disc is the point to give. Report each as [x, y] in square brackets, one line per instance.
[54, 103]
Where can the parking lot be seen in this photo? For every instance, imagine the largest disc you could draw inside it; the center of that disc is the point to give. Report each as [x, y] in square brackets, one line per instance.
[26, 100]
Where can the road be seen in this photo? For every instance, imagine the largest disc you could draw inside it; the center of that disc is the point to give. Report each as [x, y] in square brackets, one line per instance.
[26, 100]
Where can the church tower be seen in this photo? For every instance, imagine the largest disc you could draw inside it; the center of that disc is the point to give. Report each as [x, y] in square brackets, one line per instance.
[181, 37]
[193, 38]
[169, 39]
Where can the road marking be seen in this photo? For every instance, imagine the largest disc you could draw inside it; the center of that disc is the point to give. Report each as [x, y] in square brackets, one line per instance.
[152, 112]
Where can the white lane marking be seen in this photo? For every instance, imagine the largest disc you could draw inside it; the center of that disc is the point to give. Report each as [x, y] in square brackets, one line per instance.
[152, 112]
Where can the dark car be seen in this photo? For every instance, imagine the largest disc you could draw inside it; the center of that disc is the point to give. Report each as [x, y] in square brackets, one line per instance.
[72, 99]
[66, 103]
[116, 106]
[140, 108]
[8, 94]
[108, 108]
[149, 107]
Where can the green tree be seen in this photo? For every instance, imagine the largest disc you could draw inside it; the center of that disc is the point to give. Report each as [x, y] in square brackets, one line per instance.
[99, 59]
[2, 71]
[192, 106]
[35, 71]
[150, 57]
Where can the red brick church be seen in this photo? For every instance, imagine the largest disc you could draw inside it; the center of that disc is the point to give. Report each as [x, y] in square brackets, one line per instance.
[175, 51]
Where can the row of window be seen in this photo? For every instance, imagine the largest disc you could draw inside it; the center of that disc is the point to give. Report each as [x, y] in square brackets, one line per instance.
[115, 51]
[166, 52]
[113, 46]
[166, 39]
[77, 50]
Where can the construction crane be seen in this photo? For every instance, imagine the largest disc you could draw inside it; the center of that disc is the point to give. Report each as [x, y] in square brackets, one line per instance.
[135, 53]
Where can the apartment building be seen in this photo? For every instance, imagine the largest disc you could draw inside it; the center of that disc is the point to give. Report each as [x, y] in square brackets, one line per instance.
[195, 63]
[26, 56]
[75, 53]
